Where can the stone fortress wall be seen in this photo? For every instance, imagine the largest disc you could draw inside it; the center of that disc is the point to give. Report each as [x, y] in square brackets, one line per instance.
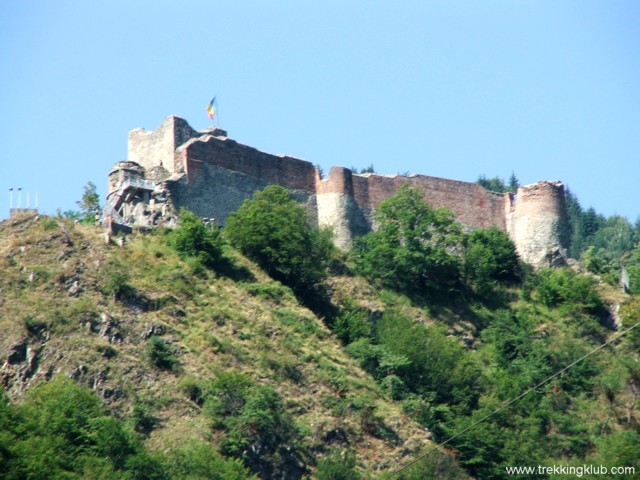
[176, 166]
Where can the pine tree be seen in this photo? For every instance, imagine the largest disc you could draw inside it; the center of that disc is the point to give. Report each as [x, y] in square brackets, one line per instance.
[514, 183]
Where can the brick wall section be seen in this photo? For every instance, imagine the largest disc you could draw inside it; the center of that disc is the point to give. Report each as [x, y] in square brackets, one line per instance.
[339, 180]
[273, 169]
[472, 204]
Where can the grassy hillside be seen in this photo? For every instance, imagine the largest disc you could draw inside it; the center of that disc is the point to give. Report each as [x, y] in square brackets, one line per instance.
[203, 366]
[156, 338]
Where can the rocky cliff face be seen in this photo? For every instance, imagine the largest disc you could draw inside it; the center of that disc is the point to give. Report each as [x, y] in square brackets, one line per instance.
[211, 175]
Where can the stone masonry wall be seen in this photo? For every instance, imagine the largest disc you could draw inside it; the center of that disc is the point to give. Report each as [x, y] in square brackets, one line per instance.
[221, 152]
[217, 191]
[212, 175]
[538, 225]
[156, 148]
[347, 201]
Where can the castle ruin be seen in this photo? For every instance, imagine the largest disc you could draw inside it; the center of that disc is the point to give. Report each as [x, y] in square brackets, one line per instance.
[210, 174]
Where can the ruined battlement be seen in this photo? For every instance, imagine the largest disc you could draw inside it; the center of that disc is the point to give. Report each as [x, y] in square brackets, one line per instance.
[176, 166]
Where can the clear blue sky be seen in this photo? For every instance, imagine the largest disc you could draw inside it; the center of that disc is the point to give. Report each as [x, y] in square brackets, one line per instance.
[545, 89]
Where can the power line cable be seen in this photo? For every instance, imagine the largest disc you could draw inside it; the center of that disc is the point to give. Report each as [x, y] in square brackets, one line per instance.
[511, 402]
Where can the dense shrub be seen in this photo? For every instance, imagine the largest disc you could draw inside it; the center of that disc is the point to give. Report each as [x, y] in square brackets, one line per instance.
[378, 360]
[564, 287]
[62, 430]
[489, 258]
[338, 466]
[620, 449]
[407, 357]
[193, 239]
[438, 465]
[143, 419]
[160, 354]
[351, 323]
[198, 460]
[511, 335]
[113, 280]
[256, 428]
[435, 365]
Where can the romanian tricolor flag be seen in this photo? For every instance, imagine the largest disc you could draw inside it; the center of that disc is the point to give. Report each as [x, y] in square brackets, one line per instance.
[211, 111]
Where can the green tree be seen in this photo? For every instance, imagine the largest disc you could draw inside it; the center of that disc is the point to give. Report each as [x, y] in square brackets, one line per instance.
[414, 250]
[89, 204]
[633, 269]
[273, 230]
[514, 183]
[256, 427]
[495, 184]
[489, 257]
[160, 354]
[574, 216]
[429, 362]
[369, 169]
[590, 222]
[616, 237]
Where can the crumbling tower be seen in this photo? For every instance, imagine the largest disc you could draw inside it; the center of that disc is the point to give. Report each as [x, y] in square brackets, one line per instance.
[537, 223]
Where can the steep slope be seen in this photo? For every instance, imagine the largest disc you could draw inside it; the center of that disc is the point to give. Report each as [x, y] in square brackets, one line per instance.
[149, 333]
